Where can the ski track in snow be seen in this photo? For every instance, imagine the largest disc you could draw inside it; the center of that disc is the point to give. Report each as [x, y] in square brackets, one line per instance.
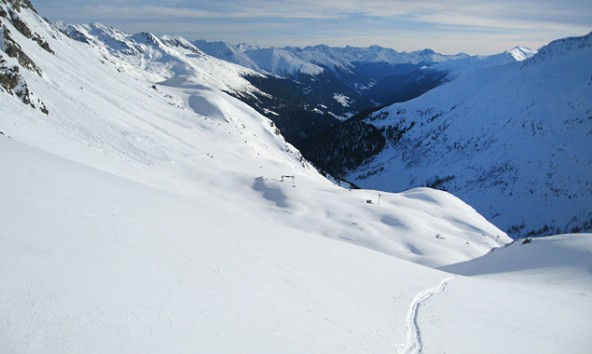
[414, 343]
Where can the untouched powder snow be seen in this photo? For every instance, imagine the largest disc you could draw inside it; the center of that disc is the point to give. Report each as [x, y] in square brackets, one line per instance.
[556, 271]
[151, 212]
[561, 260]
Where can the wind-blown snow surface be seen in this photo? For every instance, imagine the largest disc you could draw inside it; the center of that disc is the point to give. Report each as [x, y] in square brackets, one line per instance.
[513, 140]
[135, 219]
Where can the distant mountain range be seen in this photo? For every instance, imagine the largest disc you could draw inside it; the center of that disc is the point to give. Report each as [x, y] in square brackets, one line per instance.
[314, 88]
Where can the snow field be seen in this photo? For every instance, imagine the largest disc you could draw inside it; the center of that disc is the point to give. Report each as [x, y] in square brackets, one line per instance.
[135, 219]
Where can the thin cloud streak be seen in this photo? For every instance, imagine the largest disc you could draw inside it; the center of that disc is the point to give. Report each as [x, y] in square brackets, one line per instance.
[336, 9]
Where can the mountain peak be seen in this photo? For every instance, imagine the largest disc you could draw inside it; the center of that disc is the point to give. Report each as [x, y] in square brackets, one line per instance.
[99, 26]
[18, 4]
[521, 53]
[426, 51]
[179, 42]
[146, 38]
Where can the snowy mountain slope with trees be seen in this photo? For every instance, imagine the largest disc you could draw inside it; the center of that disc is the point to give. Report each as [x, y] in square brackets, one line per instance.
[174, 56]
[175, 218]
[376, 73]
[315, 81]
[513, 140]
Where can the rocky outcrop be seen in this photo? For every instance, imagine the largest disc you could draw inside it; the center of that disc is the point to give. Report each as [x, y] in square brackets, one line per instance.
[10, 13]
[13, 83]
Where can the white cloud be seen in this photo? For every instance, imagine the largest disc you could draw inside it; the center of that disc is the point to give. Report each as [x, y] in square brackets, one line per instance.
[444, 25]
[496, 13]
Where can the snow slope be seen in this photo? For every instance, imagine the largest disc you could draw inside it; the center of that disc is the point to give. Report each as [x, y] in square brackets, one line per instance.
[186, 132]
[93, 262]
[513, 140]
[226, 52]
[555, 270]
[162, 57]
[175, 219]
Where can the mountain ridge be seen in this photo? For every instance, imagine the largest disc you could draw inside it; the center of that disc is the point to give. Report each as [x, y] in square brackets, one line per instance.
[333, 58]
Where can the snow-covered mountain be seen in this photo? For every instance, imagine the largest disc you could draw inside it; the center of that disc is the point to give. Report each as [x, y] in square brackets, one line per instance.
[358, 68]
[340, 82]
[163, 58]
[174, 56]
[521, 53]
[134, 99]
[144, 209]
[227, 52]
[513, 140]
[323, 85]
[314, 60]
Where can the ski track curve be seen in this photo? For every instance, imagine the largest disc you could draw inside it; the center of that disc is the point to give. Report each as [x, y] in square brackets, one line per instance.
[414, 342]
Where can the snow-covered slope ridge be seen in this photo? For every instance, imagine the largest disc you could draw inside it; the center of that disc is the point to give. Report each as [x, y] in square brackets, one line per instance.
[521, 53]
[188, 137]
[163, 57]
[512, 140]
[276, 61]
[149, 220]
[473, 64]
[226, 52]
[556, 259]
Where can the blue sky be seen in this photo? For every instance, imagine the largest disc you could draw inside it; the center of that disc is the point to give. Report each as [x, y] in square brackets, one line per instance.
[447, 26]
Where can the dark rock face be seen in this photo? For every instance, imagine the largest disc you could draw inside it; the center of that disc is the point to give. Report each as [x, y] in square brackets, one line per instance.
[11, 14]
[11, 80]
